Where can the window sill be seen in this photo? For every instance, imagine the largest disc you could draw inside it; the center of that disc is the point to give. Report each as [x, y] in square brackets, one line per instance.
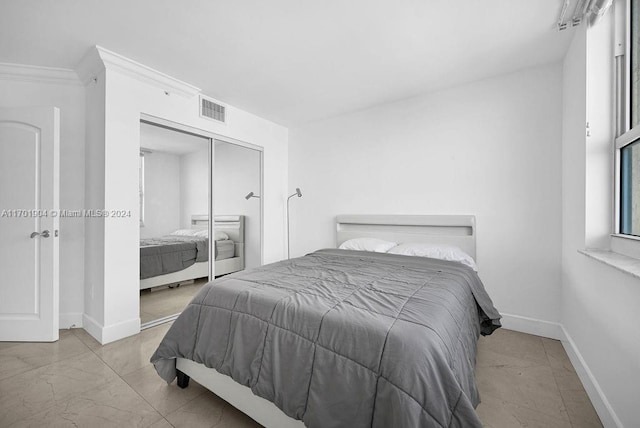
[621, 262]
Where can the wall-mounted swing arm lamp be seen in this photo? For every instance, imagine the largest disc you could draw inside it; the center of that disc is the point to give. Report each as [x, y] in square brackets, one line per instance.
[298, 194]
[251, 195]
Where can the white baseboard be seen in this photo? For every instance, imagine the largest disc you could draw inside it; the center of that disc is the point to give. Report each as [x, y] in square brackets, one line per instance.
[70, 320]
[113, 332]
[606, 413]
[552, 330]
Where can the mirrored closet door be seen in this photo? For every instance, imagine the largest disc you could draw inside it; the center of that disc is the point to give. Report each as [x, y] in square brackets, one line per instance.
[174, 206]
[182, 245]
[237, 191]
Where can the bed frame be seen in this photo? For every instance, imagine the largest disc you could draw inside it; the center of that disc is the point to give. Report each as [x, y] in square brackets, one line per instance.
[459, 230]
[232, 225]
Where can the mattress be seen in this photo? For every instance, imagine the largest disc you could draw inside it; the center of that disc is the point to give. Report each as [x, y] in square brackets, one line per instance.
[344, 338]
[172, 253]
[225, 249]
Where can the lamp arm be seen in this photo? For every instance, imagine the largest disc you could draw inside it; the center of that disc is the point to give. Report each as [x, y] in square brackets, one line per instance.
[288, 241]
[298, 194]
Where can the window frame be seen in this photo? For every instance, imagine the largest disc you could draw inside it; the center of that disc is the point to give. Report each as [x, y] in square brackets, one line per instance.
[624, 134]
[625, 244]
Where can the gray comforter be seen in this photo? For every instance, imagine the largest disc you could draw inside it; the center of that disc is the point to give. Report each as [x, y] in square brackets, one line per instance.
[344, 338]
[172, 253]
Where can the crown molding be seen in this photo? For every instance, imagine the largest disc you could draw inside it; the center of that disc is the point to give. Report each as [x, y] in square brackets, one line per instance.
[33, 73]
[99, 58]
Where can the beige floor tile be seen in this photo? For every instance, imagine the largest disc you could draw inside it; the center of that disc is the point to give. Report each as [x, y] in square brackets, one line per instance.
[7, 345]
[567, 379]
[164, 398]
[112, 405]
[514, 344]
[497, 413]
[563, 370]
[530, 387]
[128, 355]
[22, 357]
[581, 411]
[146, 317]
[42, 388]
[557, 356]
[524, 381]
[233, 418]
[162, 423]
[167, 301]
[489, 358]
[208, 410]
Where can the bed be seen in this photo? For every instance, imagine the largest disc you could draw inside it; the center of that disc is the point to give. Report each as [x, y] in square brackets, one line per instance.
[342, 337]
[184, 256]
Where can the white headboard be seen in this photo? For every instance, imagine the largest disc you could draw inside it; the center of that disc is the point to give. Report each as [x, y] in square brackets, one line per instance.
[459, 230]
[232, 225]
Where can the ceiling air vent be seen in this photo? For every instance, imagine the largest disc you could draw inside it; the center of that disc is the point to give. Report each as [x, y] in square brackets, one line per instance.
[212, 110]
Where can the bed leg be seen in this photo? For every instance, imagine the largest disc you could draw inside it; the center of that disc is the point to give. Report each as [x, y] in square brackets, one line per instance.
[183, 379]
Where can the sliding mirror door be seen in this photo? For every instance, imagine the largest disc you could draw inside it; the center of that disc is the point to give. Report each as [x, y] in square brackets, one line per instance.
[174, 229]
[237, 194]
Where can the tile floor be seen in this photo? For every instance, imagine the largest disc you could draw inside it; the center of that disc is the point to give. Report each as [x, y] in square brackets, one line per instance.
[524, 381]
[163, 301]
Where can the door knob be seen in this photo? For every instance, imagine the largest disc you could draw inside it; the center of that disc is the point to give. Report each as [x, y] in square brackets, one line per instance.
[44, 234]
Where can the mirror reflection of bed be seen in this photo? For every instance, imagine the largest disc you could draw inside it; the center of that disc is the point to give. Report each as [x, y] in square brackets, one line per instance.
[173, 268]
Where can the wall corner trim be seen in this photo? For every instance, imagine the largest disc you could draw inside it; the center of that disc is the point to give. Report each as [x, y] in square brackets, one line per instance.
[33, 73]
[99, 58]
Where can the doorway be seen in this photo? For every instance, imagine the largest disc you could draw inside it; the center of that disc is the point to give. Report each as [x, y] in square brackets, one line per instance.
[29, 223]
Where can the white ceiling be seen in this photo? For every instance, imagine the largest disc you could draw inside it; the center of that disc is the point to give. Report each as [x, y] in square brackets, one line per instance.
[293, 61]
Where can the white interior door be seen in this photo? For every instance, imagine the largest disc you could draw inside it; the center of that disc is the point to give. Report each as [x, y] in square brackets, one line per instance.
[29, 181]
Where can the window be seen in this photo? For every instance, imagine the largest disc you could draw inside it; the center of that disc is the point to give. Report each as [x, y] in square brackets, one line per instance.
[634, 43]
[628, 141]
[141, 187]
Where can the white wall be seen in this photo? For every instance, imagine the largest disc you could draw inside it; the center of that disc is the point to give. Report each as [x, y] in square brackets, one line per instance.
[69, 97]
[194, 186]
[599, 303]
[161, 195]
[490, 148]
[236, 173]
[127, 97]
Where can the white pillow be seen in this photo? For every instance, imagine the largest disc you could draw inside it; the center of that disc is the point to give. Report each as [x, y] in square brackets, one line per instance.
[367, 244]
[186, 232]
[220, 236]
[442, 252]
